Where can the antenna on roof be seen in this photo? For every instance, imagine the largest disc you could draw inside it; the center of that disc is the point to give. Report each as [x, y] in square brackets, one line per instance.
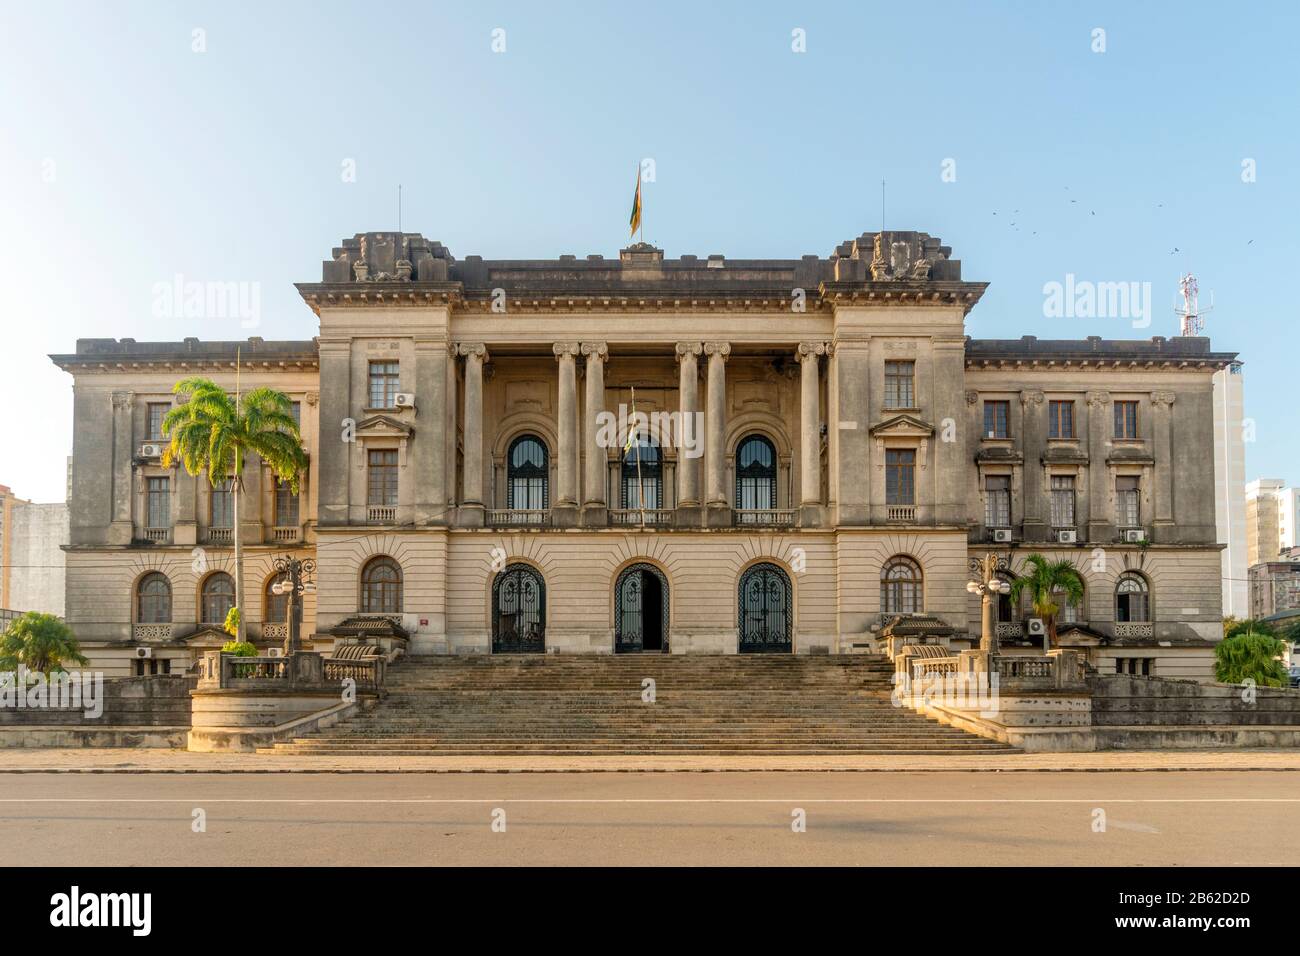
[1191, 313]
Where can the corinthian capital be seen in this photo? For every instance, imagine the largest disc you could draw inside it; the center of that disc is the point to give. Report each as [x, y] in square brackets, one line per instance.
[1162, 399]
[1032, 397]
[1097, 399]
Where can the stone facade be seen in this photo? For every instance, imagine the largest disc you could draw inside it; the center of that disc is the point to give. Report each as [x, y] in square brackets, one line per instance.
[32, 536]
[825, 423]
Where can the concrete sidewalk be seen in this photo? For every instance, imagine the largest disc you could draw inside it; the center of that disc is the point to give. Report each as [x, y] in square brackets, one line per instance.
[179, 761]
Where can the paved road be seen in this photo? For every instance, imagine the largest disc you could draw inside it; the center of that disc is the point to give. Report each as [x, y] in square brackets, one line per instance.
[990, 819]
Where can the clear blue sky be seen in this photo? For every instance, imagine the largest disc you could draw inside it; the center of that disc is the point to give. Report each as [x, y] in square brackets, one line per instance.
[225, 165]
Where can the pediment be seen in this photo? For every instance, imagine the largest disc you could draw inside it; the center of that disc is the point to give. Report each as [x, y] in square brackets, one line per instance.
[382, 426]
[902, 426]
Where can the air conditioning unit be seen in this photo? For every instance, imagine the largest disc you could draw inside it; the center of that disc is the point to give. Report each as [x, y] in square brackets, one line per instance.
[275, 652]
[1002, 535]
[1067, 536]
[1134, 535]
[404, 400]
[1035, 627]
[151, 450]
[144, 652]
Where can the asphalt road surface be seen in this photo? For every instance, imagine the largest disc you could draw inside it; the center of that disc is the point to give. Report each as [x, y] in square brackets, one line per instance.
[957, 818]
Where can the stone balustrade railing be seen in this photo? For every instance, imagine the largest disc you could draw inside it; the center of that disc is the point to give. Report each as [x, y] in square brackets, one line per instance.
[764, 517]
[652, 517]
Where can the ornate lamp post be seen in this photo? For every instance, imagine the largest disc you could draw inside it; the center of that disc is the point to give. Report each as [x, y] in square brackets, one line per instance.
[293, 579]
[989, 586]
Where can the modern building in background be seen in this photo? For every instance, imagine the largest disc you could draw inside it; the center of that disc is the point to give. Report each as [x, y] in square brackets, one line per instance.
[32, 559]
[1272, 519]
[1275, 585]
[1229, 487]
[837, 450]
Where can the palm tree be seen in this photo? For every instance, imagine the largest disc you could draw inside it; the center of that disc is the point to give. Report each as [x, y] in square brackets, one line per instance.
[40, 642]
[1250, 654]
[1044, 580]
[213, 432]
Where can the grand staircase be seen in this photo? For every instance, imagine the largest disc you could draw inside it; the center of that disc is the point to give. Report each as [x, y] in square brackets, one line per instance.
[704, 705]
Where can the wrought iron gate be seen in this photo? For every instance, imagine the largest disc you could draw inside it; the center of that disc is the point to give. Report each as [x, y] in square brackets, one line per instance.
[765, 610]
[629, 608]
[518, 611]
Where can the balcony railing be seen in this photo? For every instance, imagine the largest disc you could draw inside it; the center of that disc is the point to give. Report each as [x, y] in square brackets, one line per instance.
[1132, 629]
[900, 513]
[220, 535]
[764, 517]
[518, 517]
[275, 631]
[158, 535]
[381, 514]
[151, 632]
[286, 534]
[653, 517]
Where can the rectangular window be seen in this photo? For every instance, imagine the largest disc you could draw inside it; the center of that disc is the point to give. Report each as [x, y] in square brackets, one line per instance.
[159, 503]
[286, 505]
[383, 384]
[156, 411]
[382, 478]
[900, 488]
[1126, 419]
[223, 505]
[996, 417]
[997, 501]
[297, 413]
[1060, 419]
[1127, 497]
[1063, 501]
[900, 378]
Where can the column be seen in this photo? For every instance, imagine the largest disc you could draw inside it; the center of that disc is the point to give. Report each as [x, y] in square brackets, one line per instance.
[337, 454]
[1162, 408]
[452, 393]
[122, 530]
[472, 510]
[1035, 524]
[428, 448]
[810, 459]
[690, 434]
[715, 434]
[1101, 522]
[594, 500]
[564, 510]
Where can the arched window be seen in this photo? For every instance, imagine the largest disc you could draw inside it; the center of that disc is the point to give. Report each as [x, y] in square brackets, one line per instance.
[218, 598]
[526, 474]
[1069, 613]
[381, 587]
[518, 611]
[643, 484]
[900, 586]
[755, 474]
[766, 610]
[276, 605]
[1132, 599]
[153, 599]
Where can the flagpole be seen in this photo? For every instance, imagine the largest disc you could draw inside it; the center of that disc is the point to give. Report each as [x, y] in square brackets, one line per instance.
[640, 193]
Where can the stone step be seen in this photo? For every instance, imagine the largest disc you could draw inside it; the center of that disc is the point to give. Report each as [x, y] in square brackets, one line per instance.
[573, 706]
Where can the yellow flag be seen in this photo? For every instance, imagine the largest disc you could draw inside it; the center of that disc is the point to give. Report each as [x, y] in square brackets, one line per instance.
[635, 221]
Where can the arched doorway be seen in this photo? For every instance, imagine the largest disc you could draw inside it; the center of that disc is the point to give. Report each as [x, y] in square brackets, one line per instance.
[765, 611]
[518, 611]
[641, 610]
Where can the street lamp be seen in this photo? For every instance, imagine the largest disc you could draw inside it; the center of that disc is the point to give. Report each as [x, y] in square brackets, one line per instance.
[293, 579]
[989, 584]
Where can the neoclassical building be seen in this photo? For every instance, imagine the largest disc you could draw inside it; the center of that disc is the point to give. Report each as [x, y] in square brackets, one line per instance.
[817, 451]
